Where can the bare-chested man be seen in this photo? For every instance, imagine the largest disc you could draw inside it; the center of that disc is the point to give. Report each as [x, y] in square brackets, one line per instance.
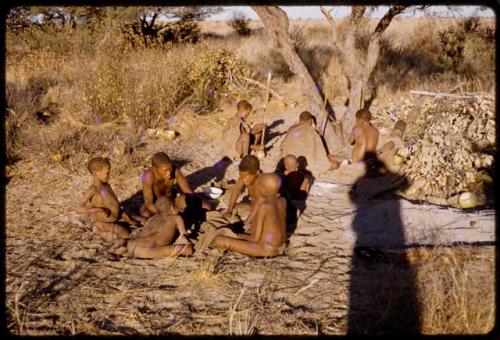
[249, 169]
[268, 230]
[155, 239]
[101, 203]
[159, 180]
[249, 132]
[364, 136]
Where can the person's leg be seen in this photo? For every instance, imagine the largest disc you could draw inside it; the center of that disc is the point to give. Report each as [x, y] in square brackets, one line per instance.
[244, 247]
[243, 144]
[242, 209]
[165, 251]
[110, 231]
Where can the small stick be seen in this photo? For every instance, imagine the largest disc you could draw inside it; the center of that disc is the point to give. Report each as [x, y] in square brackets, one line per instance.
[253, 81]
[265, 110]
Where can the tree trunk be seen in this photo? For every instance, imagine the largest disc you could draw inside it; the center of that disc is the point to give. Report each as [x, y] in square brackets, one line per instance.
[276, 23]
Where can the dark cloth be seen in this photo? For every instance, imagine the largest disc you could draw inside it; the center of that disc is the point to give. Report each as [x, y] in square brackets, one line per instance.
[194, 213]
[292, 183]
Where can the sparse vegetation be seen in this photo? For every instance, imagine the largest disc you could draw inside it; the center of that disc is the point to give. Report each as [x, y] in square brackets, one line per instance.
[94, 84]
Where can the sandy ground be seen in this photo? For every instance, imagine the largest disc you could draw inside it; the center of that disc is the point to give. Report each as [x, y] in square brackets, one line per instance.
[62, 280]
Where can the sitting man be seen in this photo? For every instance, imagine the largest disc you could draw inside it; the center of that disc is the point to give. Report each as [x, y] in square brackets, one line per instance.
[268, 228]
[302, 139]
[295, 183]
[159, 180]
[155, 239]
[249, 169]
[364, 136]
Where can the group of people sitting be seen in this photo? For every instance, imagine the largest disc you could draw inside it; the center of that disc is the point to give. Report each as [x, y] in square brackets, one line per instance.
[169, 200]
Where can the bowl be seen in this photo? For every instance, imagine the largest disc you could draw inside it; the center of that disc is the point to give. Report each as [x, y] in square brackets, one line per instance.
[213, 192]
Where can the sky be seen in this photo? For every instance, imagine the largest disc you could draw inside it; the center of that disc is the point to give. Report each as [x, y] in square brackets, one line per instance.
[313, 12]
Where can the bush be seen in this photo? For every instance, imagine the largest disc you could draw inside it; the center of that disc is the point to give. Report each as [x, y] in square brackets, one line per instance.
[239, 22]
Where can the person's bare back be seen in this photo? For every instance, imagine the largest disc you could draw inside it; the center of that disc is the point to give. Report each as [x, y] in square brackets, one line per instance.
[364, 136]
[155, 240]
[268, 229]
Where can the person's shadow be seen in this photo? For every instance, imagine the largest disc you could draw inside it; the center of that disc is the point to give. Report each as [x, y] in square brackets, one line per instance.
[382, 293]
[215, 172]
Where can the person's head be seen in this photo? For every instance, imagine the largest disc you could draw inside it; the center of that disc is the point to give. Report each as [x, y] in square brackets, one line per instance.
[249, 169]
[162, 165]
[290, 162]
[306, 117]
[363, 115]
[269, 185]
[399, 129]
[244, 108]
[99, 167]
[164, 205]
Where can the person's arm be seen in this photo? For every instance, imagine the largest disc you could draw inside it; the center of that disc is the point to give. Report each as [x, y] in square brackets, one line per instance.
[258, 128]
[255, 208]
[82, 207]
[180, 225]
[182, 182]
[147, 192]
[111, 203]
[305, 185]
[235, 193]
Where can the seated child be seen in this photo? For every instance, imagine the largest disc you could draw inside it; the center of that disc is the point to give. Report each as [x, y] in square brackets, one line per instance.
[248, 132]
[155, 239]
[268, 229]
[392, 142]
[249, 171]
[159, 180]
[295, 183]
[104, 207]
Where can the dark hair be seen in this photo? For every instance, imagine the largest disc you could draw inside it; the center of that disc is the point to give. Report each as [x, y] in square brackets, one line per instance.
[364, 114]
[163, 203]
[305, 116]
[97, 163]
[244, 105]
[160, 158]
[250, 164]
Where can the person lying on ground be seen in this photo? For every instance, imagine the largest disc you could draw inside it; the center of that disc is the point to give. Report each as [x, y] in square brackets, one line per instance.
[101, 203]
[268, 229]
[158, 181]
[249, 172]
[156, 238]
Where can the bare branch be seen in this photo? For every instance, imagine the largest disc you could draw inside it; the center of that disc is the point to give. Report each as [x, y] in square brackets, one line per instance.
[387, 18]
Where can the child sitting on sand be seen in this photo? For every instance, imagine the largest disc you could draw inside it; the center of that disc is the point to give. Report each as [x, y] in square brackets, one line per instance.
[268, 228]
[101, 203]
[243, 130]
[295, 183]
[155, 239]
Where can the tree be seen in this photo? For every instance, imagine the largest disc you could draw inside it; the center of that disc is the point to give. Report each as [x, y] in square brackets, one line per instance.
[358, 65]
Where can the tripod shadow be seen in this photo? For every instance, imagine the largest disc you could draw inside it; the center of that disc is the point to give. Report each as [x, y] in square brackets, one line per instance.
[382, 296]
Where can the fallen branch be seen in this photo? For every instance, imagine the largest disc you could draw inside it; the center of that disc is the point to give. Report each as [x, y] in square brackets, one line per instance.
[436, 94]
[274, 93]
